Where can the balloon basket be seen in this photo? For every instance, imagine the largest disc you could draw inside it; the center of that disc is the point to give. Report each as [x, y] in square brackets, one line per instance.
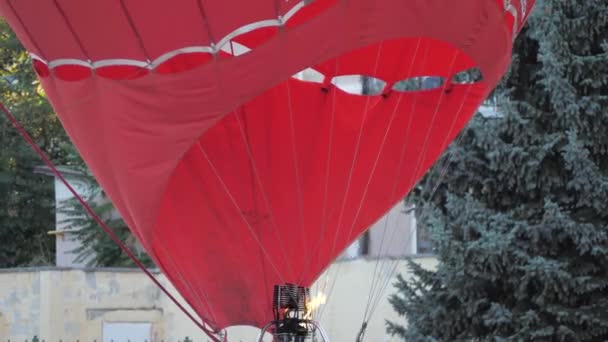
[292, 316]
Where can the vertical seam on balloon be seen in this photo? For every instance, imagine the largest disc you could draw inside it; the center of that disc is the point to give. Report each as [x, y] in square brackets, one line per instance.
[72, 31]
[138, 37]
[277, 9]
[27, 31]
[206, 25]
[247, 28]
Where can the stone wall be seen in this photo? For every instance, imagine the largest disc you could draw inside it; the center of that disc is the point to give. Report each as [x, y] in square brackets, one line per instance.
[74, 304]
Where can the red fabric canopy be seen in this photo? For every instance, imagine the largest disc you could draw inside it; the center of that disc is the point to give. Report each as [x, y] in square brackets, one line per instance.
[233, 175]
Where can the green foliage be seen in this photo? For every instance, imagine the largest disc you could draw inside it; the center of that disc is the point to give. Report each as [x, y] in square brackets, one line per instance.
[27, 199]
[97, 249]
[520, 221]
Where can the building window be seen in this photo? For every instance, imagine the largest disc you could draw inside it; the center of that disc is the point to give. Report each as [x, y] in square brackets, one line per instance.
[127, 332]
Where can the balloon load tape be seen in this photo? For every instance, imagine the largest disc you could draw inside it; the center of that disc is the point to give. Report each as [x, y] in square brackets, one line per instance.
[291, 313]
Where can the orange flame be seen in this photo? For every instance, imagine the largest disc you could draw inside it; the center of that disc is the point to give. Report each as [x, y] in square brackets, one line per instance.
[314, 303]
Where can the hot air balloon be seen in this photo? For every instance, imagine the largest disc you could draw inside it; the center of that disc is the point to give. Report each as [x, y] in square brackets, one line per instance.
[234, 175]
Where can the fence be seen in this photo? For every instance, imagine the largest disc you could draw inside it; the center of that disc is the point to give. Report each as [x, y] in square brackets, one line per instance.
[36, 339]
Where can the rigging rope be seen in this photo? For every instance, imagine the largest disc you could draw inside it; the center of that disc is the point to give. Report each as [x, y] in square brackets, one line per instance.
[376, 294]
[337, 272]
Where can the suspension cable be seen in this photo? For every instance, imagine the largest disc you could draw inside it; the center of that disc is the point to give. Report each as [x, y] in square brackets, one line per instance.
[442, 172]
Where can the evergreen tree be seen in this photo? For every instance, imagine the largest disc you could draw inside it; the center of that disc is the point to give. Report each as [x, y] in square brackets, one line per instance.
[96, 248]
[520, 221]
[26, 198]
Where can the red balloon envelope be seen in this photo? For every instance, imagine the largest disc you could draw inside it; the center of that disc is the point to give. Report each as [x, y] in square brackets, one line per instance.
[234, 175]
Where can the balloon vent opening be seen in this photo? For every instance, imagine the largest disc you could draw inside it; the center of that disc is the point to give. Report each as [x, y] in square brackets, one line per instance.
[291, 313]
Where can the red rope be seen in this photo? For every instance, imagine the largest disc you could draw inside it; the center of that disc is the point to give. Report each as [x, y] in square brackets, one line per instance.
[97, 219]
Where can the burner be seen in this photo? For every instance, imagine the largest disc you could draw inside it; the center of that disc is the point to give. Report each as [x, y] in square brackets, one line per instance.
[292, 317]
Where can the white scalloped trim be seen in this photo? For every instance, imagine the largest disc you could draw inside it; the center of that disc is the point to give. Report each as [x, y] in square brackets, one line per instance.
[223, 45]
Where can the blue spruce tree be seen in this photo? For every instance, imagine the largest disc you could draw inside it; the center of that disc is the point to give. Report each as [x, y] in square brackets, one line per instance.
[520, 221]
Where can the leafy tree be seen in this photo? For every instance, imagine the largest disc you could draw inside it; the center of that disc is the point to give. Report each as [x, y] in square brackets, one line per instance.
[27, 199]
[520, 221]
[97, 248]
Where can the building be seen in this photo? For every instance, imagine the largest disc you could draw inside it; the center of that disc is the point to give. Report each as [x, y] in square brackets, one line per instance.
[120, 305]
[65, 240]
